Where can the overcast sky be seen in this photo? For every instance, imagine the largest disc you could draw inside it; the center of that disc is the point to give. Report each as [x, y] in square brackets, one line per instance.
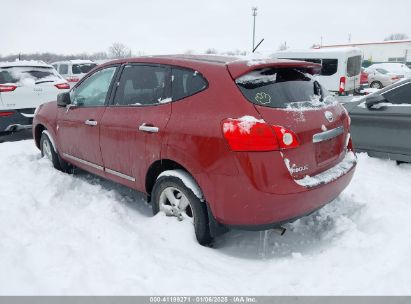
[173, 26]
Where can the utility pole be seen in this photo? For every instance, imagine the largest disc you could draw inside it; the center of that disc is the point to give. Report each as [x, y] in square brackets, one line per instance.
[254, 10]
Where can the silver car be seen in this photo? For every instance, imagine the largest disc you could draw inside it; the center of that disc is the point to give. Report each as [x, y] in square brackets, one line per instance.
[379, 78]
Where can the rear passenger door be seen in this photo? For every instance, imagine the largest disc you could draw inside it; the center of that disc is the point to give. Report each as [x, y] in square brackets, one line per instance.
[133, 126]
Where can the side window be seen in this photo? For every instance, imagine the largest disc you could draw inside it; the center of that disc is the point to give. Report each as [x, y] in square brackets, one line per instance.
[63, 69]
[399, 95]
[93, 90]
[186, 82]
[329, 67]
[55, 66]
[143, 85]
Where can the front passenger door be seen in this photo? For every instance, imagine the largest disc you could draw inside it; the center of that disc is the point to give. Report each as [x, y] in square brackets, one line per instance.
[78, 125]
[133, 126]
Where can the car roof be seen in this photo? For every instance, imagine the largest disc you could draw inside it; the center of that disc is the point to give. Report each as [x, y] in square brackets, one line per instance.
[237, 65]
[24, 63]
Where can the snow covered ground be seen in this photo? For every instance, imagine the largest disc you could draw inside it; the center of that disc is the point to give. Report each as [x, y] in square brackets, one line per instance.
[65, 234]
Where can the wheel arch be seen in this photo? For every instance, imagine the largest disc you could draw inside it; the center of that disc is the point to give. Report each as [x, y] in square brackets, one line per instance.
[38, 130]
[163, 165]
[157, 168]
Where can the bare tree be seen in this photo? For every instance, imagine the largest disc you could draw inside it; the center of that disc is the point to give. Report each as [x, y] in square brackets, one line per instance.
[211, 51]
[396, 36]
[119, 50]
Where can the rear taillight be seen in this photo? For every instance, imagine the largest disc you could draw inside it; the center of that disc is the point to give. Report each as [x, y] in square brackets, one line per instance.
[245, 135]
[287, 139]
[62, 86]
[5, 114]
[72, 79]
[7, 88]
[395, 78]
[342, 85]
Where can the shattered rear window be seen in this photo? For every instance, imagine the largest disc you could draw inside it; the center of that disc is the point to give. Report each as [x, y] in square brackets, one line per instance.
[283, 88]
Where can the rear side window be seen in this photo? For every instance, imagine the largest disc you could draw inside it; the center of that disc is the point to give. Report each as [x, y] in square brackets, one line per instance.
[329, 67]
[186, 82]
[143, 85]
[282, 88]
[82, 68]
[353, 66]
[5, 77]
[63, 69]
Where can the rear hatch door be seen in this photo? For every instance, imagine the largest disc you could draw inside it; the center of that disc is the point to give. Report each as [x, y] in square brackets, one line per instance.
[291, 98]
[34, 86]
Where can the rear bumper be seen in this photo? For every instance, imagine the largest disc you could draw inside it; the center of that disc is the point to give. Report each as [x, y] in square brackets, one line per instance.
[21, 119]
[239, 204]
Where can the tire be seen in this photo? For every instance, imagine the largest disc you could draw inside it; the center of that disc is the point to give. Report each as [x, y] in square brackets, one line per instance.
[196, 211]
[47, 150]
[376, 85]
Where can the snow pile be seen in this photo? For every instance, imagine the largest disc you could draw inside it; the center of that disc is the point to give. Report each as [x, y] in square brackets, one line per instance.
[79, 234]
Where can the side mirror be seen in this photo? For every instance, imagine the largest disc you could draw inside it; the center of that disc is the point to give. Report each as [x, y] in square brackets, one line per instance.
[63, 99]
[373, 100]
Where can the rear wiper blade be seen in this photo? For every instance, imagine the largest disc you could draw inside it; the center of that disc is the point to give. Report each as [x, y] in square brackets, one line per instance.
[43, 81]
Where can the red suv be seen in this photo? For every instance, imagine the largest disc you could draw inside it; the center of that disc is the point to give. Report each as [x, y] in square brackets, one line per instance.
[222, 142]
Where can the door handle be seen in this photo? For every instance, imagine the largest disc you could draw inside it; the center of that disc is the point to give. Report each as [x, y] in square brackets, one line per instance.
[148, 128]
[91, 122]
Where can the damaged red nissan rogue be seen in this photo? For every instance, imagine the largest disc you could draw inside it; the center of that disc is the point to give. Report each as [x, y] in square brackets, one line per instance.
[223, 142]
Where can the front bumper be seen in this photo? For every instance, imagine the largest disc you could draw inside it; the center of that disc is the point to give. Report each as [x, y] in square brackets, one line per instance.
[20, 119]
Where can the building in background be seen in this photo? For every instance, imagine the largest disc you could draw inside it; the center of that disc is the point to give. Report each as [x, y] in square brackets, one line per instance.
[382, 51]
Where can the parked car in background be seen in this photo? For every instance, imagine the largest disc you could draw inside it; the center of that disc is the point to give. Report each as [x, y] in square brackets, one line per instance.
[400, 69]
[380, 77]
[24, 85]
[218, 141]
[341, 67]
[381, 122]
[74, 70]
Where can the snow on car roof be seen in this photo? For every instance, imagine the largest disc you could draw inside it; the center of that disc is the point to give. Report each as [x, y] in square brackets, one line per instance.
[24, 63]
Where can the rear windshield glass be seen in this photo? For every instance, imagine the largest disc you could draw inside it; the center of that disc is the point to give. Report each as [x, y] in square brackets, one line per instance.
[353, 66]
[28, 75]
[82, 68]
[283, 88]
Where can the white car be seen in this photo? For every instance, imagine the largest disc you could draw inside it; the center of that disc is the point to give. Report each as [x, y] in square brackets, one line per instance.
[73, 70]
[379, 78]
[24, 85]
[400, 69]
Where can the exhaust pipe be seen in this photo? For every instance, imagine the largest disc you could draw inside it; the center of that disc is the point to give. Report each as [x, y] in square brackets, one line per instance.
[279, 230]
